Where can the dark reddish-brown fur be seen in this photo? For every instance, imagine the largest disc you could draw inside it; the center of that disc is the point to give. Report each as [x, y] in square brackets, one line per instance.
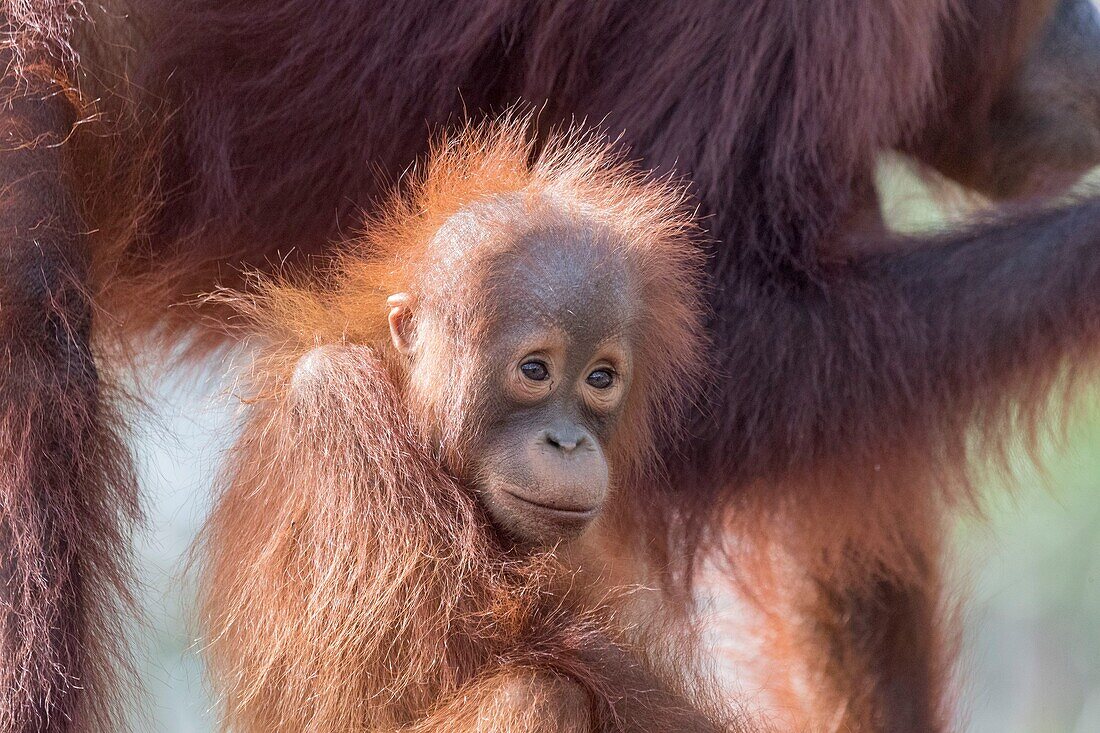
[67, 490]
[856, 365]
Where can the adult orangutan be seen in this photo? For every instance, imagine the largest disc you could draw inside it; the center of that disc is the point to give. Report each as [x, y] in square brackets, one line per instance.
[431, 519]
[152, 152]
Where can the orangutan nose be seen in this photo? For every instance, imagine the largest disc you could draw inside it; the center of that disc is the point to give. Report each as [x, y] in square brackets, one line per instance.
[565, 439]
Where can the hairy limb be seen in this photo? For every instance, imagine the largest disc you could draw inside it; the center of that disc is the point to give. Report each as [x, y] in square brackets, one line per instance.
[518, 701]
[878, 634]
[642, 698]
[542, 701]
[417, 619]
[867, 654]
[955, 332]
[67, 489]
[882, 367]
[852, 426]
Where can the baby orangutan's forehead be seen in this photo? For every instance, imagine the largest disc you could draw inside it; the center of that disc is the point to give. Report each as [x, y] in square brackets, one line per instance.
[569, 278]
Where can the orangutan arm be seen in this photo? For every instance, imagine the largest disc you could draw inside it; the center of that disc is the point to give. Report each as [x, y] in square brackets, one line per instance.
[526, 700]
[348, 581]
[904, 349]
[997, 315]
[515, 701]
[1000, 313]
[67, 490]
[990, 320]
[848, 417]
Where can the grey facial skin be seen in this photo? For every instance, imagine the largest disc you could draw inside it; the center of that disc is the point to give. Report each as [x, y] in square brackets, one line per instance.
[559, 366]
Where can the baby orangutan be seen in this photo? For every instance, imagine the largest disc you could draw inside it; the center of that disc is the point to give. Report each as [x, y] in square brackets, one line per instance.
[437, 516]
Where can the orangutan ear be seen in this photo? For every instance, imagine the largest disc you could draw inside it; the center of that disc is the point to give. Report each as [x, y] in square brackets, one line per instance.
[401, 321]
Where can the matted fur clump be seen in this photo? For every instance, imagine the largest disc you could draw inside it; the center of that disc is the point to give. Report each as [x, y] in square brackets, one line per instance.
[350, 582]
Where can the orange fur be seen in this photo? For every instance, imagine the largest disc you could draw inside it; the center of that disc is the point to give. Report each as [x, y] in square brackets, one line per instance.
[350, 582]
[858, 370]
[574, 178]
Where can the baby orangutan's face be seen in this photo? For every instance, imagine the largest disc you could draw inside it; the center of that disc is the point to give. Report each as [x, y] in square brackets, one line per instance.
[557, 367]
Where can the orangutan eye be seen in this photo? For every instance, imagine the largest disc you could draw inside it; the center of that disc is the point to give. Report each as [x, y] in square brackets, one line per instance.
[534, 370]
[600, 378]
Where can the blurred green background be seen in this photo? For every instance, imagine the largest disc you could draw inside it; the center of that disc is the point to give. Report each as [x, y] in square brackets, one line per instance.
[1031, 658]
[1030, 573]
